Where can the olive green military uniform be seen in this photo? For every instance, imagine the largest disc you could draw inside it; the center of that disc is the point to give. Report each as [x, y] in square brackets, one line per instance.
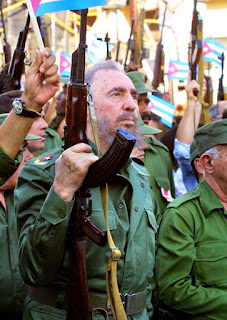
[192, 255]
[12, 288]
[158, 163]
[43, 224]
[8, 165]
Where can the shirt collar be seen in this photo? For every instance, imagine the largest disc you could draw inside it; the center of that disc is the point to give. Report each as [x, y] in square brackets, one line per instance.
[208, 199]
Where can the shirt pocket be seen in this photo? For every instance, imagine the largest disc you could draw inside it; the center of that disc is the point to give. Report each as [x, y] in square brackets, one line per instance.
[97, 217]
[211, 263]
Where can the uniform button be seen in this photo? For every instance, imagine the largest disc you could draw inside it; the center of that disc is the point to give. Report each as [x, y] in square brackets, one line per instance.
[195, 192]
[136, 209]
[120, 206]
[142, 184]
[61, 213]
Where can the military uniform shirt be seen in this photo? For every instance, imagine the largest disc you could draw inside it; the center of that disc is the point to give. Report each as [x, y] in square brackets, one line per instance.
[192, 255]
[158, 163]
[12, 287]
[43, 224]
[8, 165]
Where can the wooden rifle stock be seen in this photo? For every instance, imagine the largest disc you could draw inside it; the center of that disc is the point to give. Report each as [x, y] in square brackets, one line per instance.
[12, 81]
[80, 226]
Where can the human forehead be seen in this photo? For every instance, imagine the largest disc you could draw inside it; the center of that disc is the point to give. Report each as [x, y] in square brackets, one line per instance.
[107, 79]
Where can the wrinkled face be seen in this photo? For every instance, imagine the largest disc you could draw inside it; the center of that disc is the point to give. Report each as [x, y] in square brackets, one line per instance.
[38, 128]
[115, 96]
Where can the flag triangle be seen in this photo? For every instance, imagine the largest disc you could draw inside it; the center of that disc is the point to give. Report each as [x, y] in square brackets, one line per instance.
[35, 4]
[64, 63]
[206, 49]
[172, 69]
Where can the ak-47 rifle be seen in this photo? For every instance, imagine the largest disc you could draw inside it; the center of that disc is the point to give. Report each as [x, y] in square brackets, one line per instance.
[196, 60]
[159, 58]
[6, 46]
[80, 226]
[196, 46]
[130, 46]
[12, 81]
[220, 87]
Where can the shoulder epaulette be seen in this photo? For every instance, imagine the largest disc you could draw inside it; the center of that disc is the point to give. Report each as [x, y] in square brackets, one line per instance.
[157, 143]
[47, 159]
[192, 194]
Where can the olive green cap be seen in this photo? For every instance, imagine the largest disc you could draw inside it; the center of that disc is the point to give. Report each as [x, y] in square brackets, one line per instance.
[211, 135]
[193, 151]
[3, 116]
[146, 130]
[138, 79]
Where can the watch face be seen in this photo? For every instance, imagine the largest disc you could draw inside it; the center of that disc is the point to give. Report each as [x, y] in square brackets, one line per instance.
[17, 106]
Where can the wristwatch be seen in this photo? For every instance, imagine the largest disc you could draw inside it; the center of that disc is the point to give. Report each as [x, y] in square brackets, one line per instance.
[20, 109]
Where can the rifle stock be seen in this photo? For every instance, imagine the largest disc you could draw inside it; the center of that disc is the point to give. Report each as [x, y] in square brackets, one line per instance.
[80, 226]
[12, 81]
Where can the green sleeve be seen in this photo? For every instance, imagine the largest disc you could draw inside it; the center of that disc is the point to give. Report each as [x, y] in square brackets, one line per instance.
[8, 165]
[42, 231]
[176, 257]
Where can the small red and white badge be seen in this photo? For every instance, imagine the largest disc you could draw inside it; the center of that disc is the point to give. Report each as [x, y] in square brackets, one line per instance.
[167, 194]
[44, 160]
[47, 158]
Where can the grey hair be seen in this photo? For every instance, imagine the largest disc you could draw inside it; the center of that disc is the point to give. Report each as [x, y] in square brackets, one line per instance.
[213, 151]
[104, 65]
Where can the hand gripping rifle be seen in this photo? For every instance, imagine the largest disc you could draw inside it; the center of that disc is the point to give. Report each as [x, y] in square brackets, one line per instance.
[80, 226]
[17, 62]
[6, 46]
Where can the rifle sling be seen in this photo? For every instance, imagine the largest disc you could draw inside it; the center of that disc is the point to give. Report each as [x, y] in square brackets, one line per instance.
[111, 269]
[133, 303]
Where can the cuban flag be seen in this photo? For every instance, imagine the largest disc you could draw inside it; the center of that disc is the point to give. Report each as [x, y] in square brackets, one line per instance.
[39, 7]
[162, 108]
[178, 70]
[212, 50]
[63, 60]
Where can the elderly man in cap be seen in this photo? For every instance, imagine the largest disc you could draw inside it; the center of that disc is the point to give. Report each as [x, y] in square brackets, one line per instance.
[157, 158]
[192, 255]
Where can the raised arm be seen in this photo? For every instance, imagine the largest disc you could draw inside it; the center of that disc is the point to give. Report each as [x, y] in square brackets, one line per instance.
[41, 83]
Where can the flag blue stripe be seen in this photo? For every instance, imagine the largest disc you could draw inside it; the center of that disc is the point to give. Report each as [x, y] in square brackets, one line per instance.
[67, 5]
[215, 42]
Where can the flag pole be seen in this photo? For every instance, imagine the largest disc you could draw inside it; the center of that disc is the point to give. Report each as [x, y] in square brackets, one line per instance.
[35, 25]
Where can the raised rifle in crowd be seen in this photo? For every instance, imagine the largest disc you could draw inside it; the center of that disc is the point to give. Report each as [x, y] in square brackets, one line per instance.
[6, 45]
[221, 95]
[16, 67]
[159, 58]
[196, 47]
[80, 226]
[130, 46]
[107, 40]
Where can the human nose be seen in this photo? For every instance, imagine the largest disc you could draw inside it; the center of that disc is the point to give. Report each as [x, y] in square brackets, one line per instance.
[43, 123]
[130, 104]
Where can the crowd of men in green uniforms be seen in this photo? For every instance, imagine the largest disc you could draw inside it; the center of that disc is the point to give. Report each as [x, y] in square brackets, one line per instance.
[189, 275]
